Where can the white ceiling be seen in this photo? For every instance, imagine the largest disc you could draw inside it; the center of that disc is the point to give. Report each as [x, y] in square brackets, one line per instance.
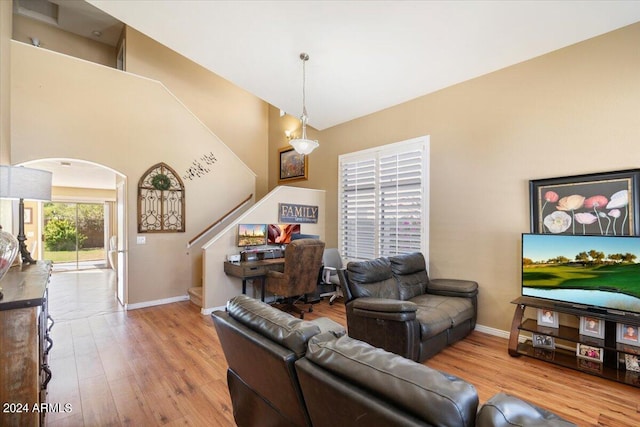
[365, 56]
[76, 173]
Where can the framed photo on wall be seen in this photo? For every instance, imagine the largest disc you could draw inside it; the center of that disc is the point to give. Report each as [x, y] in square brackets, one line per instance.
[293, 166]
[592, 326]
[28, 215]
[595, 204]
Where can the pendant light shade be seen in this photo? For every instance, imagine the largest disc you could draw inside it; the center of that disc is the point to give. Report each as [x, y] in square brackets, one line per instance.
[303, 145]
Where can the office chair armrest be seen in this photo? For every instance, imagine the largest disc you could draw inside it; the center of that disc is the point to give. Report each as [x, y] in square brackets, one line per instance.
[275, 274]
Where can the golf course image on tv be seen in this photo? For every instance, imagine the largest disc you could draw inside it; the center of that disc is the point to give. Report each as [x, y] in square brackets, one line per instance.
[596, 271]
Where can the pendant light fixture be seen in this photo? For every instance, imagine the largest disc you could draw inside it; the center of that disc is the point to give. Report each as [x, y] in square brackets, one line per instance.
[303, 145]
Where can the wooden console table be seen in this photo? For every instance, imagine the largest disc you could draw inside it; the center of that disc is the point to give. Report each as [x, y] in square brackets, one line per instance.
[255, 270]
[612, 365]
[24, 344]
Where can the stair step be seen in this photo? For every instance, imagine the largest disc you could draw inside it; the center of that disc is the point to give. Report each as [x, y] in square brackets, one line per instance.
[195, 295]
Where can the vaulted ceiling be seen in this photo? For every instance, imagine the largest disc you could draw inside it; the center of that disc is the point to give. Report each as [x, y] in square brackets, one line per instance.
[365, 56]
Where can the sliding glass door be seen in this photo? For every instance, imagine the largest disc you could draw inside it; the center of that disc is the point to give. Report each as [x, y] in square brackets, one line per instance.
[74, 236]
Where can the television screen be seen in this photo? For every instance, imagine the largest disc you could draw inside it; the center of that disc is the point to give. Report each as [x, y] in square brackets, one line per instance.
[594, 271]
[252, 234]
[279, 234]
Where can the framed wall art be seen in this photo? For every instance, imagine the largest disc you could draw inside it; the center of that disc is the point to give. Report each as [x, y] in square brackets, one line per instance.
[28, 215]
[594, 204]
[293, 166]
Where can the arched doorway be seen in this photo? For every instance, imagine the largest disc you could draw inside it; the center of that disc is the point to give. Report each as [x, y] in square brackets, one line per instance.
[81, 228]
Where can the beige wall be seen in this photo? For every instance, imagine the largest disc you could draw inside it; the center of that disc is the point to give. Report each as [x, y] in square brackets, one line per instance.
[5, 81]
[74, 194]
[53, 38]
[237, 117]
[278, 139]
[574, 111]
[218, 287]
[80, 110]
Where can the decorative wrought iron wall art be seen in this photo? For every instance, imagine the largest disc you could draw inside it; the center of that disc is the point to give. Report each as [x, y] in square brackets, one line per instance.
[161, 201]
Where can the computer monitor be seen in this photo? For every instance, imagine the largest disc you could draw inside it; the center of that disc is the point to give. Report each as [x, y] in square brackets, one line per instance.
[281, 234]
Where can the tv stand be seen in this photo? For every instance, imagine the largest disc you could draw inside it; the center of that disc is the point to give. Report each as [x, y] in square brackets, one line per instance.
[567, 338]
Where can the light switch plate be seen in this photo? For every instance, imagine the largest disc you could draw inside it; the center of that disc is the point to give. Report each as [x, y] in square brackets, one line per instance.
[141, 240]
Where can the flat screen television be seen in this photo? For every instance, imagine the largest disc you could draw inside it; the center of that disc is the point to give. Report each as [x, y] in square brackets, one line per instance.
[252, 235]
[599, 272]
[280, 234]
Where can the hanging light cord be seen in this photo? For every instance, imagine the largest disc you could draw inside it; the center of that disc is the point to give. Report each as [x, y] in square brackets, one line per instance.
[305, 58]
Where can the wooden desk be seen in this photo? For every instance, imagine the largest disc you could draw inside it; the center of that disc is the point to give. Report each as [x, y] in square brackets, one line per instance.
[253, 270]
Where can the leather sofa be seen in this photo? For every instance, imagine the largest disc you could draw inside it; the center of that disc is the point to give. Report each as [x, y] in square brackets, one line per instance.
[391, 303]
[285, 371]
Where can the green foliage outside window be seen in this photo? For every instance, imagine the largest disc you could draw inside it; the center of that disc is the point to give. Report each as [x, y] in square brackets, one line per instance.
[60, 230]
[61, 235]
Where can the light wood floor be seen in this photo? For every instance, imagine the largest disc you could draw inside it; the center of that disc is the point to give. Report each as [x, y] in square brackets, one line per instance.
[164, 366]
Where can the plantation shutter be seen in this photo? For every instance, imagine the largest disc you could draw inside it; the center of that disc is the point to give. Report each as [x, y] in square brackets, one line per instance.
[358, 205]
[382, 201]
[400, 203]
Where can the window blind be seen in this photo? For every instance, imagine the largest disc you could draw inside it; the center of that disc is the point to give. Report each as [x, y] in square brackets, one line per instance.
[382, 200]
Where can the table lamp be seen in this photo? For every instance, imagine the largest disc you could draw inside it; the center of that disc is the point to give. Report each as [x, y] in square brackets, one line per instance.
[20, 183]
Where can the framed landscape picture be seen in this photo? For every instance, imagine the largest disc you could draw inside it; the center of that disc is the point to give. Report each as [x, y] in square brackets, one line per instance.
[595, 204]
[293, 166]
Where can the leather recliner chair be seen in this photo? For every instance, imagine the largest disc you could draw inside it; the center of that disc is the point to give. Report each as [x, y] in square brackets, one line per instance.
[391, 303]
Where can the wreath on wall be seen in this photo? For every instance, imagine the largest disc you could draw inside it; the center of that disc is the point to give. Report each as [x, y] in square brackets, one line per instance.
[161, 182]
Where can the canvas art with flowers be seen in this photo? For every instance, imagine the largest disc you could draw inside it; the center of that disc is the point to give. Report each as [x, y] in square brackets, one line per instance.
[602, 204]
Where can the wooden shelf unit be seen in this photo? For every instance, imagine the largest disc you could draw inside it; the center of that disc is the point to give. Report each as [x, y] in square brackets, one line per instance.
[613, 365]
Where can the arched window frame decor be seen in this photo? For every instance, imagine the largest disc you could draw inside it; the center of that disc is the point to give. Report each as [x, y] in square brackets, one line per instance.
[161, 201]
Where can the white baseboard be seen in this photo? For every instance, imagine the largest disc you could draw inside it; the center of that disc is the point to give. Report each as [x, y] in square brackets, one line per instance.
[492, 331]
[156, 302]
[208, 311]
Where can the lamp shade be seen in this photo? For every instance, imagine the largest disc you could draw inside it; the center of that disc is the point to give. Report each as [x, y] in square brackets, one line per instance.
[17, 182]
[304, 146]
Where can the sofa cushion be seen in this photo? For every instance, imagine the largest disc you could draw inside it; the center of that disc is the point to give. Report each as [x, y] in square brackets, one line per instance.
[372, 278]
[459, 310]
[410, 271]
[437, 398]
[278, 326]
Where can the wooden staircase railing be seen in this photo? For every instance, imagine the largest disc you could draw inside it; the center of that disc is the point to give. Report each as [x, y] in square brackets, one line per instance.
[222, 218]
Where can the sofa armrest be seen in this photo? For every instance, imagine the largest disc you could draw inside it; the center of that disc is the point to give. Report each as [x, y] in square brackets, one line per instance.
[383, 308]
[504, 410]
[453, 287]
[327, 325]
